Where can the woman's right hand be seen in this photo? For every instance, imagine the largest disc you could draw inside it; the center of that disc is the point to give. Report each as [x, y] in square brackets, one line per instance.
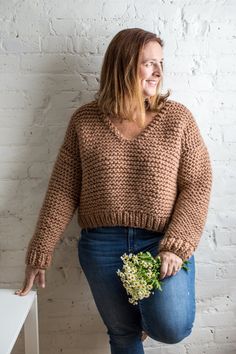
[32, 276]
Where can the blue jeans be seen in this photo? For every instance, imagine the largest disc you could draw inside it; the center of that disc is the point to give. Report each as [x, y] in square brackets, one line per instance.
[166, 316]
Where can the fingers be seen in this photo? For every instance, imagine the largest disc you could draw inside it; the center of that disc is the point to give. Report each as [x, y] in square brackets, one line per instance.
[32, 276]
[164, 269]
[176, 269]
[170, 264]
[28, 284]
[18, 292]
[41, 278]
[168, 269]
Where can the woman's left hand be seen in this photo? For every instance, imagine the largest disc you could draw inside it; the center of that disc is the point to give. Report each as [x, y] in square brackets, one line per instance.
[170, 263]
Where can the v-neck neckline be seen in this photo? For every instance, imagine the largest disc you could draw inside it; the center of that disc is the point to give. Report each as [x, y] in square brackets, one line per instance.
[114, 129]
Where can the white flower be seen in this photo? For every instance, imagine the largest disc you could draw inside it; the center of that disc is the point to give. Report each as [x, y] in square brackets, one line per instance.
[140, 275]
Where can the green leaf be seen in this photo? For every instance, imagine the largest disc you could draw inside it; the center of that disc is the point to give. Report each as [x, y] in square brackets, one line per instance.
[184, 265]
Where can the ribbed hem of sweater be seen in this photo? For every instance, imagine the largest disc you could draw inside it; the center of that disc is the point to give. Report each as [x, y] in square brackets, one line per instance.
[123, 218]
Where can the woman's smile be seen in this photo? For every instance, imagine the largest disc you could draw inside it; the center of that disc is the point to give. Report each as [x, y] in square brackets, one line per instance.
[152, 83]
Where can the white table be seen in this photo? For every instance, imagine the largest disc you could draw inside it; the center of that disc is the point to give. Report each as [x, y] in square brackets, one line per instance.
[16, 311]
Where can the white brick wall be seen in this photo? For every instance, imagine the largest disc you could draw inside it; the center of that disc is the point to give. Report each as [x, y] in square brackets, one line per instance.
[50, 58]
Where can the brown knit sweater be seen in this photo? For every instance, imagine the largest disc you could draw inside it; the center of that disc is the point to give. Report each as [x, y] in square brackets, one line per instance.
[161, 180]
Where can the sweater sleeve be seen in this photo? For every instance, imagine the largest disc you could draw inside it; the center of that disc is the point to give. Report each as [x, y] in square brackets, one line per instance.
[60, 201]
[194, 182]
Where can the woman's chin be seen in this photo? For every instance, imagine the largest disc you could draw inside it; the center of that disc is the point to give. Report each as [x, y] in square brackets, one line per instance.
[149, 93]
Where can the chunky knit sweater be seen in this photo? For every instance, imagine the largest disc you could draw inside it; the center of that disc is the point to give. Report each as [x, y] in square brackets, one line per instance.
[160, 180]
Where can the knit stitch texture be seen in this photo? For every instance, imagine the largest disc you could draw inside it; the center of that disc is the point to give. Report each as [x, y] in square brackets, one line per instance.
[160, 180]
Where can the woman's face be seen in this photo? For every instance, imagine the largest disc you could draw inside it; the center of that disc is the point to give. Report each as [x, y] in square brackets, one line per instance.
[150, 68]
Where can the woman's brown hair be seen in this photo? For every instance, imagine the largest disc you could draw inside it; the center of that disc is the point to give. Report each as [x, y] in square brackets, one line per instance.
[120, 90]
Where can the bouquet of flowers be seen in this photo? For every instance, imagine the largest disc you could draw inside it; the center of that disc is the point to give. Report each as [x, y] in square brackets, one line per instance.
[140, 275]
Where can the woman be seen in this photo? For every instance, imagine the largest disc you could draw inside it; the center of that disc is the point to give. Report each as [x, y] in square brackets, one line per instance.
[135, 166]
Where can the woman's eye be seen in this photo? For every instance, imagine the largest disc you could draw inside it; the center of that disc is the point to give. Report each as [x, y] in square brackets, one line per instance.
[152, 63]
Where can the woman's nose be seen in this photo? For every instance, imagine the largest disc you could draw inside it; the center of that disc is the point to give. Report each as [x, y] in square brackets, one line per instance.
[158, 70]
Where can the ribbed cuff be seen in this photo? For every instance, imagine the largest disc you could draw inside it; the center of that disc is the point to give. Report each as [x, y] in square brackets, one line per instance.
[180, 247]
[38, 259]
